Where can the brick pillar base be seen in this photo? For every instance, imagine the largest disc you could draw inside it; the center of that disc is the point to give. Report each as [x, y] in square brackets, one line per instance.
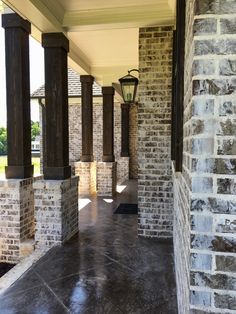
[56, 211]
[16, 217]
[122, 169]
[87, 174]
[106, 178]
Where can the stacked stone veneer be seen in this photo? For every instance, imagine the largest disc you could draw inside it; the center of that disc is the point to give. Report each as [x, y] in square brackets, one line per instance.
[155, 195]
[56, 211]
[16, 217]
[205, 200]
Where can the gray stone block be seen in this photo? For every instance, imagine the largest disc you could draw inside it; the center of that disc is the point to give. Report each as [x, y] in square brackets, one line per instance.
[200, 298]
[225, 301]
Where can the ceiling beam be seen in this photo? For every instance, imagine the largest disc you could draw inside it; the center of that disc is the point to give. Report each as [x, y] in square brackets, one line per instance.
[121, 17]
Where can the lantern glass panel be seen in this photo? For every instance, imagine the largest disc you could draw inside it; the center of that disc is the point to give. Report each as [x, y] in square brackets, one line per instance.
[128, 90]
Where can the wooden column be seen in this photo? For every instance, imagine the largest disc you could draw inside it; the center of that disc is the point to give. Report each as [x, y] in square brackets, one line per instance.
[56, 47]
[108, 124]
[17, 32]
[87, 117]
[124, 130]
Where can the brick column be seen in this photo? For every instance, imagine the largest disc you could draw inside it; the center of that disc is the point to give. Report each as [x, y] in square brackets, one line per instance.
[206, 196]
[56, 197]
[155, 196]
[86, 168]
[106, 170]
[16, 192]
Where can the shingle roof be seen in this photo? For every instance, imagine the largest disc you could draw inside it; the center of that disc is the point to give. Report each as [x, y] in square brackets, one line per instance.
[74, 87]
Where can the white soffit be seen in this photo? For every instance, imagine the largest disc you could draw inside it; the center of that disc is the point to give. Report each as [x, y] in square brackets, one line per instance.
[103, 33]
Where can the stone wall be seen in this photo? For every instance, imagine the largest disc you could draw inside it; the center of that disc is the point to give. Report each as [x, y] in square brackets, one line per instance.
[208, 177]
[16, 217]
[155, 195]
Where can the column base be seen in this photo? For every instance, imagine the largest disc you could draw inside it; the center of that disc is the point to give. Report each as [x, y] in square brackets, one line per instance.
[87, 158]
[122, 169]
[19, 172]
[57, 173]
[108, 158]
[56, 211]
[16, 217]
[87, 174]
[106, 178]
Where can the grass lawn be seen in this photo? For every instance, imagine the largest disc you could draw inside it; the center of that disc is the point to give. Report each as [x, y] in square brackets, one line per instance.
[3, 163]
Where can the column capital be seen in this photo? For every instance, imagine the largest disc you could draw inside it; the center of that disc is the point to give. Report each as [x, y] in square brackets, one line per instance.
[86, 79]
[13, 20]
[55, 40]
[108, 90]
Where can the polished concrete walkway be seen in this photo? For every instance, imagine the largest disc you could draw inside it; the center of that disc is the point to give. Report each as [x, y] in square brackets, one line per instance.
[106, 269]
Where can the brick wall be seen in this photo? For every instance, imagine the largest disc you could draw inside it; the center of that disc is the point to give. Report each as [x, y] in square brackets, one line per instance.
[106, 178]
[16, 217]
[209, 161]
[56, 211]
[155, 196]
[75, 144]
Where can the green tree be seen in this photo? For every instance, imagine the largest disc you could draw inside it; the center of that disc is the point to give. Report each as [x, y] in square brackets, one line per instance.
[3, 141]
[35, 130]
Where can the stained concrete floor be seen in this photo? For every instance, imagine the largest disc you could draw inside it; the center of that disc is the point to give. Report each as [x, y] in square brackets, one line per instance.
[105, 269]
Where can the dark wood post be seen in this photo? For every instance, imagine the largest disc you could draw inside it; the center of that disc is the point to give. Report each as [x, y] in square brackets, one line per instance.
[124, 130]
[17, 32]
[87, 117]
[56, 47]
[108, 124]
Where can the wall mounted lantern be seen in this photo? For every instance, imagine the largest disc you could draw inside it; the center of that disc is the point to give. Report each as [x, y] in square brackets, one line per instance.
[129, 84]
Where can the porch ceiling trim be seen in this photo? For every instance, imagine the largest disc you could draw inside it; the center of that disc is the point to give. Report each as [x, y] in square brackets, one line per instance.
[117, 17]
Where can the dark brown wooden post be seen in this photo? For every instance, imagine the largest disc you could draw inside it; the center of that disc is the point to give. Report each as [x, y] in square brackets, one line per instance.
[87, 117]
[17, 32]
[56, 47]
[108, 124]
[179, 92]
[124, 130]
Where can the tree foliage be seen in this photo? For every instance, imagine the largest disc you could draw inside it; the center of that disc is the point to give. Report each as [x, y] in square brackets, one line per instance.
[3, 141]
[35, 130]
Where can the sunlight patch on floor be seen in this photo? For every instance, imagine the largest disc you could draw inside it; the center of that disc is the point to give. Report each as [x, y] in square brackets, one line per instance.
[120, 188]
[108, 200]
[83, 202]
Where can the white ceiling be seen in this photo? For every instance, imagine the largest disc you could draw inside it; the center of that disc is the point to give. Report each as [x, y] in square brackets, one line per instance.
[103, 33]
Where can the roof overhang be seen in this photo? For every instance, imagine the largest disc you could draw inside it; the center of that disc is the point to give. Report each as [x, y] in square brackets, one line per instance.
[103, 34]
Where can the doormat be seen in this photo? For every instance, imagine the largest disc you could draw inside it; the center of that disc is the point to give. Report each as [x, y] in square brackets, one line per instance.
[128, 209]
[4, 268]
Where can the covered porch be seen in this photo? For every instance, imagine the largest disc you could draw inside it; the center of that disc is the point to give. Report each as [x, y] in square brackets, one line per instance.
[106, 268]
[185, 154]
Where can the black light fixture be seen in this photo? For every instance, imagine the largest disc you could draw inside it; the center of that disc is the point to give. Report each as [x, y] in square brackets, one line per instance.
[129, 84]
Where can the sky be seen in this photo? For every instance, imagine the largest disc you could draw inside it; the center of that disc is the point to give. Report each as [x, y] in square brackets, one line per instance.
[36, 75]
